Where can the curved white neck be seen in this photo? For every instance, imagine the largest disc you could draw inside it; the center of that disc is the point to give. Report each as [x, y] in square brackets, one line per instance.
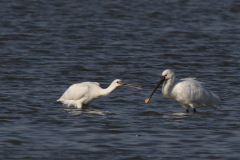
[107, 91]
[167, 87]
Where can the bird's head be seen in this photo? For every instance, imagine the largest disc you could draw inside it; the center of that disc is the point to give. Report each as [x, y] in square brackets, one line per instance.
[118, 82]
[168, 74]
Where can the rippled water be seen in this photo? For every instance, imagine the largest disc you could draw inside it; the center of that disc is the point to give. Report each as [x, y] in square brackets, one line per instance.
[48, 45]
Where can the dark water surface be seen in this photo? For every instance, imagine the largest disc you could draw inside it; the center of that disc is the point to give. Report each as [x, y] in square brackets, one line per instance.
[45, 46]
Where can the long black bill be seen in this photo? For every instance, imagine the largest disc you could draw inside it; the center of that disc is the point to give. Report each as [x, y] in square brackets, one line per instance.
[161, 81]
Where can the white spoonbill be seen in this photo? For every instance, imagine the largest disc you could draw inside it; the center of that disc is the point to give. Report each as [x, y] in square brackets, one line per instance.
[188, 92]
[81, 94]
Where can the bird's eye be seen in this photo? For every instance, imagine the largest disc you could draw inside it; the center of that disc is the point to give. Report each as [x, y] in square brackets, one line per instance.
[117, 81]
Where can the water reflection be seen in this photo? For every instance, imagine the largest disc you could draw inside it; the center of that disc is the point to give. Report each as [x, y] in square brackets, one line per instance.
[75, 111]
[185, 114]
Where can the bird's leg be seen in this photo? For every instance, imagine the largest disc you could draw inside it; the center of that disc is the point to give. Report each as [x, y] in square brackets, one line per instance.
[185, 107]
[194, 110]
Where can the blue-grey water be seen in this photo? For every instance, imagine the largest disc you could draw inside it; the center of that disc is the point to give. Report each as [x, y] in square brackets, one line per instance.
[46, 46]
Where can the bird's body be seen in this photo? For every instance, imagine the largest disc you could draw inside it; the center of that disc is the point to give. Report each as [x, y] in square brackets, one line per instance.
[191, 93]
[188, 92]
[81, 94]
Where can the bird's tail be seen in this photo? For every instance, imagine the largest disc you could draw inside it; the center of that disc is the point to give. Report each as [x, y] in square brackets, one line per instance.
[215, 101]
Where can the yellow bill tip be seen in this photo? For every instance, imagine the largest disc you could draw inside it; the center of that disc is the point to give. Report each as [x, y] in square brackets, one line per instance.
[147, 100]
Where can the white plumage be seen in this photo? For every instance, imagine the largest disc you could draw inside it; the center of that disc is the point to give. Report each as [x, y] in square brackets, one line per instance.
[188, 92]
[81, 94]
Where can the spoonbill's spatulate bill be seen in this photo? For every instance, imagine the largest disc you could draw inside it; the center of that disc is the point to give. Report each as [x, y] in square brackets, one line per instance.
[188, 92]
[81, 94]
